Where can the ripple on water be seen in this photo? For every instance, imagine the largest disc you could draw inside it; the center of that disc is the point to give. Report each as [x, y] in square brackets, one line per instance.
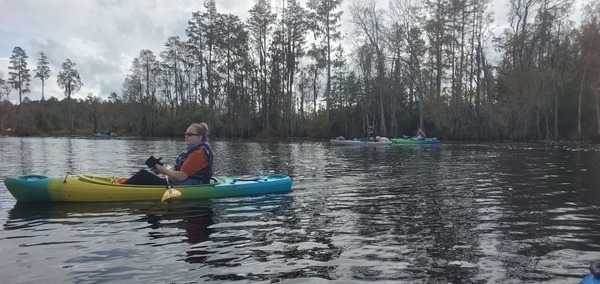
[457, 213]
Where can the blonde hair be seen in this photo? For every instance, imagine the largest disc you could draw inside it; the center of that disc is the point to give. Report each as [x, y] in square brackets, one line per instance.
[202, 129]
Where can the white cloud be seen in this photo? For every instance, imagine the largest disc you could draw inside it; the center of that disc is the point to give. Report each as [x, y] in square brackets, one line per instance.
[103, 36]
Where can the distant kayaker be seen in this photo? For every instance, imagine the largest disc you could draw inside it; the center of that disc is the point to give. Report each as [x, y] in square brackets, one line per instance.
[193, 166]
[370, 134]
[420, 135]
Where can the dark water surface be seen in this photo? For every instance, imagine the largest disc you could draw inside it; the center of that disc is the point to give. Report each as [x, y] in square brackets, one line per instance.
[450, 213]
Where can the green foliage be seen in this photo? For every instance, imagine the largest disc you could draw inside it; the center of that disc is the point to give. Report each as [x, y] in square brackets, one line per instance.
[318, 126]
[416, 64]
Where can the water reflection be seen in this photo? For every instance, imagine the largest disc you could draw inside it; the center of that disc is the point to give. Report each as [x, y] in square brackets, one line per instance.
[179, 221]
[451, 213]
[23, 211]
[192, 219]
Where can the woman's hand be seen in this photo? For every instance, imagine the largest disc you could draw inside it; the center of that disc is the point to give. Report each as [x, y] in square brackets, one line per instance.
[159, 169]
[175, 175]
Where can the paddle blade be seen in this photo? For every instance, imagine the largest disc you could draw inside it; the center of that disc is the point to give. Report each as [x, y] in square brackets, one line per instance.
[170, 193]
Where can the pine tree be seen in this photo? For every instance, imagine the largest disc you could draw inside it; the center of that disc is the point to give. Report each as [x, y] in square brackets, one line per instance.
[42, 72]
[19, 77]
[71, 82]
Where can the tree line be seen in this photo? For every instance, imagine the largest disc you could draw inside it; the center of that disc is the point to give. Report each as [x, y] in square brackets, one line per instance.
[289, 71]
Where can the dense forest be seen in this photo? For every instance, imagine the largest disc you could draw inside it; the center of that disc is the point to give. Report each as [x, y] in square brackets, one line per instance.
[288, 71]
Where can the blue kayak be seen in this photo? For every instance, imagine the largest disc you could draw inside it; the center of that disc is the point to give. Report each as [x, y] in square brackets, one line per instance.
[594, 276]
[590, 279]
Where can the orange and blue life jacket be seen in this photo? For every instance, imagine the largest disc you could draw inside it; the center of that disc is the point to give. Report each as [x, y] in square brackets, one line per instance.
[204, 175]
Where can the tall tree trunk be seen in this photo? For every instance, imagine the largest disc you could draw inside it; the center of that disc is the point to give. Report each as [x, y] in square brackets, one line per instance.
[556, 115]
[580, 98]
[43, 101]
[597, 95]
[70, 113]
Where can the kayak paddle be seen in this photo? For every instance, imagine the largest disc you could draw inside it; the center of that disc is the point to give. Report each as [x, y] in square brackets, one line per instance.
[170, 192]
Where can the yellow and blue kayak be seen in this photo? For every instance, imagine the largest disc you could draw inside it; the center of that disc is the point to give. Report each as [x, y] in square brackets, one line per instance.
[92, 188]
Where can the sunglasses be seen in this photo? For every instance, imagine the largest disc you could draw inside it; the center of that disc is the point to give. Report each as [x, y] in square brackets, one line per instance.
[188, 134]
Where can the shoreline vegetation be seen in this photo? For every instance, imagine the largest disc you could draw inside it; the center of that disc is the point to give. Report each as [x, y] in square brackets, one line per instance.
[288, 75]
[86, 135]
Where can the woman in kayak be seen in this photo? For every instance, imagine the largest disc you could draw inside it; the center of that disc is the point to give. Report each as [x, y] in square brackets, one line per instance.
[193, 166]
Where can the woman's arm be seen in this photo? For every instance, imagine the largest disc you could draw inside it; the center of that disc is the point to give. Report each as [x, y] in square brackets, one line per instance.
[194, 162]
[174, 175]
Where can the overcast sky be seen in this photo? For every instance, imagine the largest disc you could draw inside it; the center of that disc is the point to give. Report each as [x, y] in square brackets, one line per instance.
[102, 37]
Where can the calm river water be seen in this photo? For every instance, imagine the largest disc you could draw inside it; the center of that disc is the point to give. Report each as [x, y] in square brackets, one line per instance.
[450, 213]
